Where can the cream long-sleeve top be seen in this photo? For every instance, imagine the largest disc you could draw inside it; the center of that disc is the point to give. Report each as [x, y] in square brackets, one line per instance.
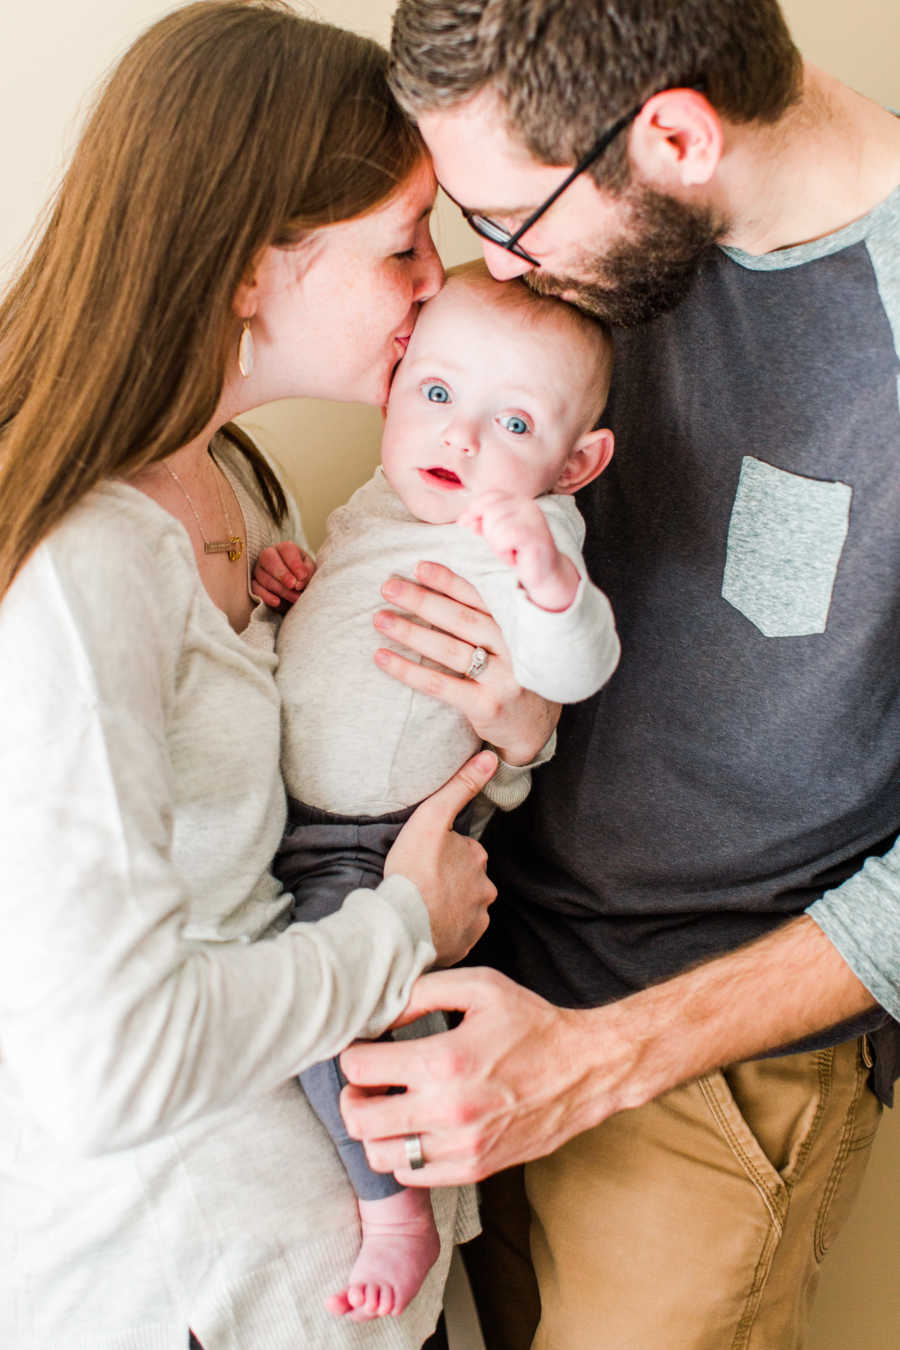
[356, 742]
[159, 1165]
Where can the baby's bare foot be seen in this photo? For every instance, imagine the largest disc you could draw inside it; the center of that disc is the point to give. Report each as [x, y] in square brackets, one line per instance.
[400, 1244]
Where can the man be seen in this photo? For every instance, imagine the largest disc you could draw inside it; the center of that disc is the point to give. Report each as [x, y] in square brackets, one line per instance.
[708, 871]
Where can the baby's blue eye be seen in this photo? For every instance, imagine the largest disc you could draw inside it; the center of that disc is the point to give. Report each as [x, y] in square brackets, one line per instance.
[435, 392]
[517, 425]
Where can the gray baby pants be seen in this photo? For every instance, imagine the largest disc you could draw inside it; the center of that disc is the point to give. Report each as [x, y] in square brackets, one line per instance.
[321, 859]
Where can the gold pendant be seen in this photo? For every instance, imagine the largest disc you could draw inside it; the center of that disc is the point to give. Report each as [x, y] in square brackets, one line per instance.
[234, 547]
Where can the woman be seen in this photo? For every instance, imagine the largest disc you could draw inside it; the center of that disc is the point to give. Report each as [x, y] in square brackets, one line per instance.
[245, 219]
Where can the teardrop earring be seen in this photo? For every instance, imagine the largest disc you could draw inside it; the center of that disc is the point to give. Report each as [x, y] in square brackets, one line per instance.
[246, 352]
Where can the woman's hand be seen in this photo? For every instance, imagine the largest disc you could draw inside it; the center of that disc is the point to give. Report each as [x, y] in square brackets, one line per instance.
[514, 720]
[448, 868]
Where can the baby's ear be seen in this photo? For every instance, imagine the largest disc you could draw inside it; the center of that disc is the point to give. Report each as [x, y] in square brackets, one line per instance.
[587, 459]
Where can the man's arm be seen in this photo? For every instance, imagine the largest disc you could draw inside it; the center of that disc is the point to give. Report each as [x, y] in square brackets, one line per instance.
[518, 1076]
[861, 917]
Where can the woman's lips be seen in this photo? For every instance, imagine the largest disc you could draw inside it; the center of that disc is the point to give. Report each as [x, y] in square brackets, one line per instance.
[442, 478]
[401, 342]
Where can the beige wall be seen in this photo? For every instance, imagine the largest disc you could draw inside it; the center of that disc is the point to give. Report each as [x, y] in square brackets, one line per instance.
[55, 51]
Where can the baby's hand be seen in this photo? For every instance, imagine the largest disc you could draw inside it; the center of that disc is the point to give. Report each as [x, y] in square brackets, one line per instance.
[516, 529]
[282, 571]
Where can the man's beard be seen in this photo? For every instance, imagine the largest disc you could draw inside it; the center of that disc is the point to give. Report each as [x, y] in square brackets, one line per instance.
[646, 274]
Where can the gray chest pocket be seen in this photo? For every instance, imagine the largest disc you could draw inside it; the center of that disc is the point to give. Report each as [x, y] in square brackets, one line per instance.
[784, 545]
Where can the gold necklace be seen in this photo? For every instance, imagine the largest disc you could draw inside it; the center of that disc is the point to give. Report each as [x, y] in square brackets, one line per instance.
[233, 546]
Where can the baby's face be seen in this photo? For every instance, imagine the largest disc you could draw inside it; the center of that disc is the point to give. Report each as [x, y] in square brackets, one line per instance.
[484, 398]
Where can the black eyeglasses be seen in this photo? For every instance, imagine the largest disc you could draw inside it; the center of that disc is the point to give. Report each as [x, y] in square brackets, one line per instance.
[503, 238]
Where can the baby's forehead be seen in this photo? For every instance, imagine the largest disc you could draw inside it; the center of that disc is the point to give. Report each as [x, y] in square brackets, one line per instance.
[552, 350]
[509, 306]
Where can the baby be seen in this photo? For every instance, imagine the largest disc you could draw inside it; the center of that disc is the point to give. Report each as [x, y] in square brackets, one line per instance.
[489, 430]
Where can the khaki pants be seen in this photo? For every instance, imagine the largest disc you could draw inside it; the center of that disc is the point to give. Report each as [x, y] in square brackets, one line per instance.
[697, 1222]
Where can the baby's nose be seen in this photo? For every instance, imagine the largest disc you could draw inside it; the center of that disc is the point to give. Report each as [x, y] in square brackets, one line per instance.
[461, 436]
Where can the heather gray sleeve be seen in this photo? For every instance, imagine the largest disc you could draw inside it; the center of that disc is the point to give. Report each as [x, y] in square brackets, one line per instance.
[862, 919]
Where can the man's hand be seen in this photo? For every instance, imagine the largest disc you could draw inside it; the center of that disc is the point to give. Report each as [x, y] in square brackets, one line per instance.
[516, 530]
[511, 1082]
[282, 571]
[518, 1077]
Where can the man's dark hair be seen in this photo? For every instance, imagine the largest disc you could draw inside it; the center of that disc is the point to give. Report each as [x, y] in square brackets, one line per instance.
[565, 69]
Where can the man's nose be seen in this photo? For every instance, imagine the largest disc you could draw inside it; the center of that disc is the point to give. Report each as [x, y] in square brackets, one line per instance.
[503, 263]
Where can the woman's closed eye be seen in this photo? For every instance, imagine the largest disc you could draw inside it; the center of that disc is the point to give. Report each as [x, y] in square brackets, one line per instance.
[422, 244]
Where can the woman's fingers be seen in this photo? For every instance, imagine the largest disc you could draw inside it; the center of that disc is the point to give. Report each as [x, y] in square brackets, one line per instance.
[453, 617]
[440, 578]
[448, 868]
[473, 699]
[448, 651]
[450, 630]
[443, 806]
[514, 720]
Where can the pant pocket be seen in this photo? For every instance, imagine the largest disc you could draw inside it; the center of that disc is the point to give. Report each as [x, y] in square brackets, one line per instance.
[785, 539]
[743, 1143]
[850, 1163]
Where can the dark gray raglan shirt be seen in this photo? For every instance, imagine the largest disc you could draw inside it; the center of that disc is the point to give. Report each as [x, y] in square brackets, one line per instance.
[743, 763]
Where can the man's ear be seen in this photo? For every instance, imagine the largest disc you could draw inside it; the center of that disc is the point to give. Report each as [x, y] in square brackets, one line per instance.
[587, 460]
[677, 140]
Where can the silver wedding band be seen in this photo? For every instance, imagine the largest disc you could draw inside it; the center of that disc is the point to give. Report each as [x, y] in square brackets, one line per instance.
[477, 664]
[412, 1143]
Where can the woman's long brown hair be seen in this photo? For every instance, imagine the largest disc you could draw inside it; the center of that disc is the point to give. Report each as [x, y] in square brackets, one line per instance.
[229, 125]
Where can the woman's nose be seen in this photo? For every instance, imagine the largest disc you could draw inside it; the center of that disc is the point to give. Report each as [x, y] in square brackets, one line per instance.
[430, 274]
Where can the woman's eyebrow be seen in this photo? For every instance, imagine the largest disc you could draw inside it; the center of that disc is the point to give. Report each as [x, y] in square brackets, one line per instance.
[417, 220]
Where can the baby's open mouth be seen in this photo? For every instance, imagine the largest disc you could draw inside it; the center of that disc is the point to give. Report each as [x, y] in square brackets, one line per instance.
[446, 477]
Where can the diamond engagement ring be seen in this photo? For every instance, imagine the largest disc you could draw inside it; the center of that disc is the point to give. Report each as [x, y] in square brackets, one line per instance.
[412, 1143]
[477, 664]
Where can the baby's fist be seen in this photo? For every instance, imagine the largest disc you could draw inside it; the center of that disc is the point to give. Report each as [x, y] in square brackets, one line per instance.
[282, 571]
